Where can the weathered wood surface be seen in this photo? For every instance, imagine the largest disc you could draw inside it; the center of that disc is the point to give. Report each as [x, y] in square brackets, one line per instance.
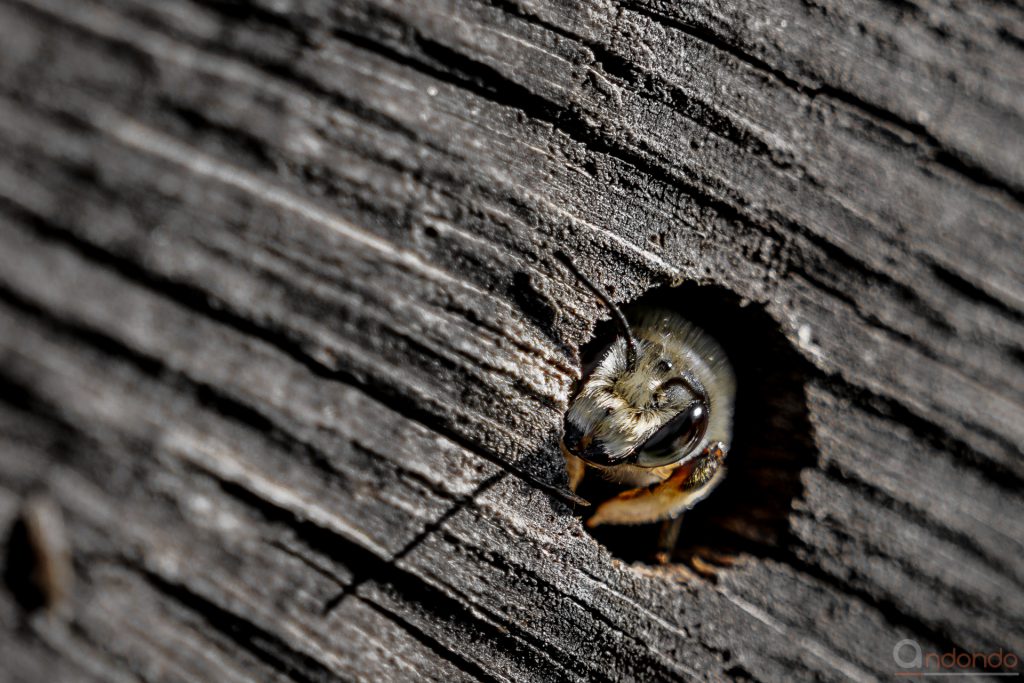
[282, 335]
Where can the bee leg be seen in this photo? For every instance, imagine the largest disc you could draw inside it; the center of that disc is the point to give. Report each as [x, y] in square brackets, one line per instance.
[667, 538]
[683, 489]
[575, 469]
[708, 562]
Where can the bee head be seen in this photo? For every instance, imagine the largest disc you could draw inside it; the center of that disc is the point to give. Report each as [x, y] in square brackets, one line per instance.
[638, 403]
[649, 412]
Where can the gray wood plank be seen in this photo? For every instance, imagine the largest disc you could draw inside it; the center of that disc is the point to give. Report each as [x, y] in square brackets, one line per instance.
[283, 335]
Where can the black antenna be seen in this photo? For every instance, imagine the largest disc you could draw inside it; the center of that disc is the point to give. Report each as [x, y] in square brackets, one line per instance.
[620, 319]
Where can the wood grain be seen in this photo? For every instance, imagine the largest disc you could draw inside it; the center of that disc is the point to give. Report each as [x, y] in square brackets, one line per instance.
[282, 333]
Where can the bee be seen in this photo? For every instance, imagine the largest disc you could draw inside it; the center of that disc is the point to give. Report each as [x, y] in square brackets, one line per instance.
[653, 415]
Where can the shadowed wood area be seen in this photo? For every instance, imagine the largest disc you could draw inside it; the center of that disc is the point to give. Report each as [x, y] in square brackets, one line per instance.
[283, 336]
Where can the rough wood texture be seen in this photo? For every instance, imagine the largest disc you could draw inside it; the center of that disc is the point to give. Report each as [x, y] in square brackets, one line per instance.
[282, 335]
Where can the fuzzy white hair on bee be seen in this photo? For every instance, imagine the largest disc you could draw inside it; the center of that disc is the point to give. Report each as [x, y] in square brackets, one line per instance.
[665, 407]
[653, 411]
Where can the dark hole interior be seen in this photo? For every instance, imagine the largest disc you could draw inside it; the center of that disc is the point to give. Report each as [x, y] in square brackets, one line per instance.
[20, 566]
[772, 441]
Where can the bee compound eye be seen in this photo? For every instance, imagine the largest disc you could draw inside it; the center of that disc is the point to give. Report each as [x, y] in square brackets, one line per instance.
[676, 438]
[571, 437]
[586, 447]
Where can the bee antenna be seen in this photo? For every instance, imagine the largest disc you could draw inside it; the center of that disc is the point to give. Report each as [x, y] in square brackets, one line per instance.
[620, 319]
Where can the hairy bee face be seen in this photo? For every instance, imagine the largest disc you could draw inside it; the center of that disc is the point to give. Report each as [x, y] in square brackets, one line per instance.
[660, 410]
